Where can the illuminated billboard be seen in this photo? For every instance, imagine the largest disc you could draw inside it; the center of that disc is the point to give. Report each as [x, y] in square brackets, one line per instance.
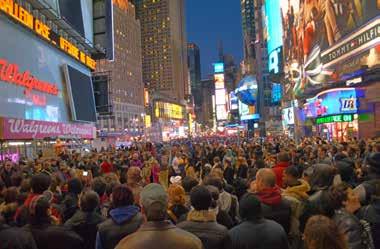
[333, 101]
[218, 67]
[276, 92]
[220, 96]
[328, 41]
[274, 35]
[221, 112]
[247, 112]
[32, 85]
[288, 116]
[38, 27]
[169, 110]
[219, 81]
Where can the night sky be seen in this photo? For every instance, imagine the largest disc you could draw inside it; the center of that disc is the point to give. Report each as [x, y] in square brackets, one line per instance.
[207, 22]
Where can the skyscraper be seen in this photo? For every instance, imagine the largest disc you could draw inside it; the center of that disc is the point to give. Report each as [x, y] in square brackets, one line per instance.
[164, 50]
[124, 72]
[249, 33]
[194, 63]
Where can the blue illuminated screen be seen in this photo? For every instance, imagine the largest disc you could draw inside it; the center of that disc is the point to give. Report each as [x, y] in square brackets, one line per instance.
[219, 67]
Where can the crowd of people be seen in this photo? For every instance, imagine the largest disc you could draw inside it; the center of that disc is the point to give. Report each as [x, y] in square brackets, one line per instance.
[210, 193]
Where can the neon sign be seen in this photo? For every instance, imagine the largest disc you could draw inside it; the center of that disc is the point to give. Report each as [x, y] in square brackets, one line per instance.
[10, 73]
[335, 118]
[21, 15]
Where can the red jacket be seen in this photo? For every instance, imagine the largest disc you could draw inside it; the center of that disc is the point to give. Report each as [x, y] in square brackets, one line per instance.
[279, 170]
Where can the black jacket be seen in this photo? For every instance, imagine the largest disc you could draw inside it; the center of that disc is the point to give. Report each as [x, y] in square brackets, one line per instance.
[280, 213]
[203, 225]
[15, 238]
[69, 206]
[86, 225]
[259, 234]
[350, 226]
[49, 236]
[371, 213]
[317, 204]
[123, 221]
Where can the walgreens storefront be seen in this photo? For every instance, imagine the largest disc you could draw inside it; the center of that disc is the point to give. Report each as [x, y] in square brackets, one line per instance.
[45, 92]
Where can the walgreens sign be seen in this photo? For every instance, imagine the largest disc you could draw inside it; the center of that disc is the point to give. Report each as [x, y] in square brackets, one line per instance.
[12, 128]
[10, 73]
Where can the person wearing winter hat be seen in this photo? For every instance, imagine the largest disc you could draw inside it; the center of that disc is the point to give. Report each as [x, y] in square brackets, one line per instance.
[367, 188]
[44, 232]
[177, 201]
[255, 231]
[158, 232]
[202, 221]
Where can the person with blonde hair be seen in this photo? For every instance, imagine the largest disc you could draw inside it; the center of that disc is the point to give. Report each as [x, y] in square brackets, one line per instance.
[177, 201]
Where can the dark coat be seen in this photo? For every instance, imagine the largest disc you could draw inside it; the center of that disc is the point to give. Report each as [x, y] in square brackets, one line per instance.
[258, 234]
[350, 226]
[371, 213]
[161, 234]
[15, 238]
[228, 174]
[49, 236]
[86, 225]
[279, 213]
[203, 225]
[69, 206]
[123, 221]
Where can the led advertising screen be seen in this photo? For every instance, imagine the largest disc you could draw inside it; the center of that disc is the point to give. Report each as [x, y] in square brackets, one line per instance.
[333, 101]
[322, 40]
[81, 95]
[234, 101]
[288, 116]
[219, 67]
[220, 96]
[221, 112]
[219, 81]
[274, 34]
[276, 92]
[37, 59]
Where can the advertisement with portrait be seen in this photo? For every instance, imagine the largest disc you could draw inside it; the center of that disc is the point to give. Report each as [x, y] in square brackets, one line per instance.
[319, 36]
[21, 93]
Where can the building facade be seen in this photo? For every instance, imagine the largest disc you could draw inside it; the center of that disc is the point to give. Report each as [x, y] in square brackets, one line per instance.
[194, 63]
[249, 34]
[207, 117]
[45, 77]
[126, 86]
[164, 47]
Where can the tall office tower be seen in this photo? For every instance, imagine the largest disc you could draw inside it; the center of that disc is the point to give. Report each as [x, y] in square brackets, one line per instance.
[164, 47]
[194, 63]
[124, 73]
[249, 34]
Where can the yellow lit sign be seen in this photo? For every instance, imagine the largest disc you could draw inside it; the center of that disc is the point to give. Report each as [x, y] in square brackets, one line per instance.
[169, 110]
[219, 81]
[21, 15]
[148, 121]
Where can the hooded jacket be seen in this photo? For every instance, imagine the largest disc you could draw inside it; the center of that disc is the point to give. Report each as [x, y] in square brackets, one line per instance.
[299, 191]
[203, 225]
[274, 207]
[123, 221]
[278, 170]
